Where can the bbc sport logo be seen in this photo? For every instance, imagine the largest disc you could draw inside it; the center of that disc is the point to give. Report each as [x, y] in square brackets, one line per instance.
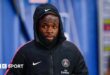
[5, 66]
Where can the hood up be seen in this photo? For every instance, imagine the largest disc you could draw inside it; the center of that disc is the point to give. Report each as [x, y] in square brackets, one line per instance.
[40, 11]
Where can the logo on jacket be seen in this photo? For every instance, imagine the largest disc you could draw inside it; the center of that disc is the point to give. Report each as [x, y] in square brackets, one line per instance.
[36, 63]
[65, 63]
[65, 71]
[47, 10]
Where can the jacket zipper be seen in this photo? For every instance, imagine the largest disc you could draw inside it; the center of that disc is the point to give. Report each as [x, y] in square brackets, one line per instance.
[51, 64]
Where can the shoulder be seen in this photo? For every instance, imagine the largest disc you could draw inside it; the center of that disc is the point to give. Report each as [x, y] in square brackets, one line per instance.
[28, 45]
[69, 44]
[23, 50]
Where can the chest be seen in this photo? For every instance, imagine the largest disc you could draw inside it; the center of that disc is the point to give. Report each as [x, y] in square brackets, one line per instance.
[54, 62]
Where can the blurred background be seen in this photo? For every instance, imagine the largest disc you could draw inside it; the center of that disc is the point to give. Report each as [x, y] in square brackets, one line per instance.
[86, 23]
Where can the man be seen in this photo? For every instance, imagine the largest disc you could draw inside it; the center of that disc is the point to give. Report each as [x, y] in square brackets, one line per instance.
[49, 53]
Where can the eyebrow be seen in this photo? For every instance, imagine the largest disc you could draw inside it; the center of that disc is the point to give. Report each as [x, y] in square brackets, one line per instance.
[47, 23]
[50, 19]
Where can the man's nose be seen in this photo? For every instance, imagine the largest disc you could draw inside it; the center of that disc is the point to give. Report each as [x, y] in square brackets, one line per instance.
[49, 30]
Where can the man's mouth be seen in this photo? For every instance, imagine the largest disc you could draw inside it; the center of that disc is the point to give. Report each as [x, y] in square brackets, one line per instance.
[49, 37]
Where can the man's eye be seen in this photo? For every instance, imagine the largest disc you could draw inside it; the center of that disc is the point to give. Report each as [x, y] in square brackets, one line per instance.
[44, 26]
[54, 27]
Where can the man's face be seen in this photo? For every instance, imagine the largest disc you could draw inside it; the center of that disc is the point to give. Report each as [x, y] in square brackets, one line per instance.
[49, 26]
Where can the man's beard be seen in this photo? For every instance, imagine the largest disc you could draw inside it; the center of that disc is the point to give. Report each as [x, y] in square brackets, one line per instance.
[49, 44]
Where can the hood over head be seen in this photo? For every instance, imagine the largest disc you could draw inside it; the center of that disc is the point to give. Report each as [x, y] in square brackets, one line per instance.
[40, 11]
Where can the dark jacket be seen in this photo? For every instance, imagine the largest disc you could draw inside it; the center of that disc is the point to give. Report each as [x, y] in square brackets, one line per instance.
[37, 58]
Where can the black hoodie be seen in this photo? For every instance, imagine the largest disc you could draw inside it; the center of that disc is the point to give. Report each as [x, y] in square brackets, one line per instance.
[62, 59]
[41, 11]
